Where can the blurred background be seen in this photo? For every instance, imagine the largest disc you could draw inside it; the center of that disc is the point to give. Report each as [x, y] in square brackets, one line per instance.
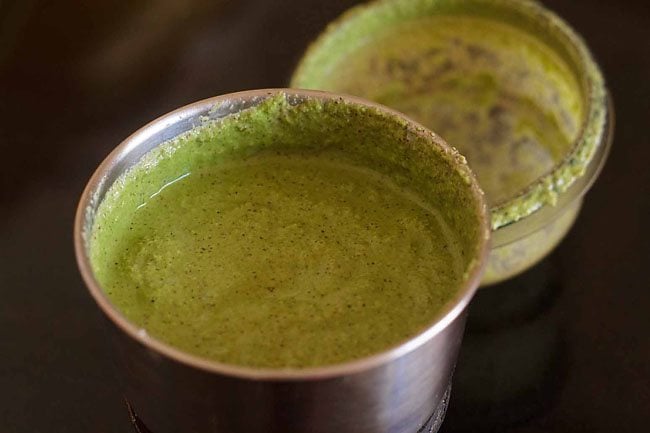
[568, 350]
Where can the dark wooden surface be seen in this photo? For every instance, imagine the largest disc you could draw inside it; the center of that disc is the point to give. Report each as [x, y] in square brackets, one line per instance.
[76, 77]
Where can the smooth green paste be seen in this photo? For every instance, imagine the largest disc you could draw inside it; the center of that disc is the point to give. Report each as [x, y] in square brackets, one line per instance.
[279, 238]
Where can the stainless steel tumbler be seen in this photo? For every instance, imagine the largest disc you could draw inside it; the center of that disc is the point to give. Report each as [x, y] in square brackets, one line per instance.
[396, 391]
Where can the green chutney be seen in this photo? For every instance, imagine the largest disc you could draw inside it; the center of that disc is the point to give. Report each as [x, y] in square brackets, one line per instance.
[506, 82]
[293, 249]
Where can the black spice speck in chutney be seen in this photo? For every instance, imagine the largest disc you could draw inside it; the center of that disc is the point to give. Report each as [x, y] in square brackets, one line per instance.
[260, 241]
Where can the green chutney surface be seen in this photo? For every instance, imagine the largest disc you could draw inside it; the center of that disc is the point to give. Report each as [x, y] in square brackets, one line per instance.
[274, 258]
